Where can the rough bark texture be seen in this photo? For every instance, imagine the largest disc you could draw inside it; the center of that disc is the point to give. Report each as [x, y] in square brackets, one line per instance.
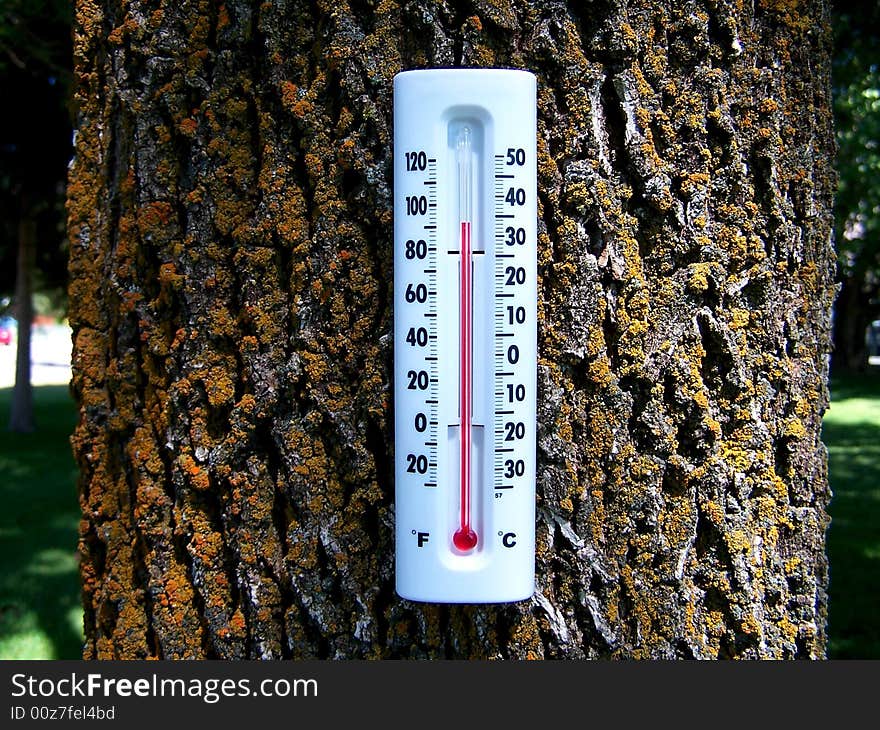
[230, 222]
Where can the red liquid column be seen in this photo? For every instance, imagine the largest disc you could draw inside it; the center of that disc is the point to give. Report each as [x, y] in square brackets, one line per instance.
[465, 538]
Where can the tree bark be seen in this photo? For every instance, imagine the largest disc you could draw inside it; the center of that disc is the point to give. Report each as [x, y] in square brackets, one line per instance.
[230, 225]
[21, 415]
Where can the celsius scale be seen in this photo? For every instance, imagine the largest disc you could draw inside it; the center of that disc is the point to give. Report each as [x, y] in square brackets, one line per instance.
[465, 336]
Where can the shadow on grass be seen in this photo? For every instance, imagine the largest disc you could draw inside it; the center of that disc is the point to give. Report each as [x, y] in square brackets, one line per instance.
[855, 385]
[854, 535]
[40, 615]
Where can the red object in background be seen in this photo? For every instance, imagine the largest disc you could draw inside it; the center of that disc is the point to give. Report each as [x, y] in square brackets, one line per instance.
[5, 336]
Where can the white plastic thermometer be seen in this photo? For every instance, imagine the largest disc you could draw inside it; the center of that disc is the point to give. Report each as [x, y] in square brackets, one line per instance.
[465, 220]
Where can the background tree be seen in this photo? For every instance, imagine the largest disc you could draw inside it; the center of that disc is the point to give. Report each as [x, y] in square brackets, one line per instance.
[35, 147]
[857, 204]
[230, 234]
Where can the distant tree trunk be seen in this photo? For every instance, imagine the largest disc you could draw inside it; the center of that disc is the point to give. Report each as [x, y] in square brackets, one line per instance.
[852, 315]
[21, 418]
[230, 229]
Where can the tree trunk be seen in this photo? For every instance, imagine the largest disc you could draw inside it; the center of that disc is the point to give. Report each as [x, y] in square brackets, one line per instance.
[21, 416]
[852, 315]
[230, 223]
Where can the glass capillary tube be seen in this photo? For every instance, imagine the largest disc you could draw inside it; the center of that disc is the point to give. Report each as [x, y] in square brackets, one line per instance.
[465, 539]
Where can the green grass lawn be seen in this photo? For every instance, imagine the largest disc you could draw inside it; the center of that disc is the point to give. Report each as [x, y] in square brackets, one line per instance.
[40, 615]
[852, 435]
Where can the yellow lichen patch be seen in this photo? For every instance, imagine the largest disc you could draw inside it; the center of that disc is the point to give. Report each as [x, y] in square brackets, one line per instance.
[794, 428]
[693, 183]
[677, 519]
[153, 217]
[143, 452]
[738, 318]
[219, 386]
[525, 636]
[714, 511]
[790, 13]
[196, 476]
[738, 541]
[188, 127]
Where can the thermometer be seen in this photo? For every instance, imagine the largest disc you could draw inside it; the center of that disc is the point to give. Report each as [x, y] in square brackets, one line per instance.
[465, 335]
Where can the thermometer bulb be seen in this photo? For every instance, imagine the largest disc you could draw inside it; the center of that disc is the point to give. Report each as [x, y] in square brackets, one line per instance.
[465, 539]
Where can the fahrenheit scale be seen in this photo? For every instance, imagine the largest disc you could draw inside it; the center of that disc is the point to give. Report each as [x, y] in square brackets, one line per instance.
[465, 342]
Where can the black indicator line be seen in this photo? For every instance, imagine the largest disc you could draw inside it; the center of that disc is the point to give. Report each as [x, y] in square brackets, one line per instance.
[434, 443]
[504, 334]
[504, 215]
[502, 451]
[430, 271]
[500, 413]
[434, 159]
[501, 375]
[504, 486]
[433, 484]
[430, 315]
[497, 174]
[429, 228]
[454, 252]
[505, 255]
[430, 182]
[502, 296]
[433, 401]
